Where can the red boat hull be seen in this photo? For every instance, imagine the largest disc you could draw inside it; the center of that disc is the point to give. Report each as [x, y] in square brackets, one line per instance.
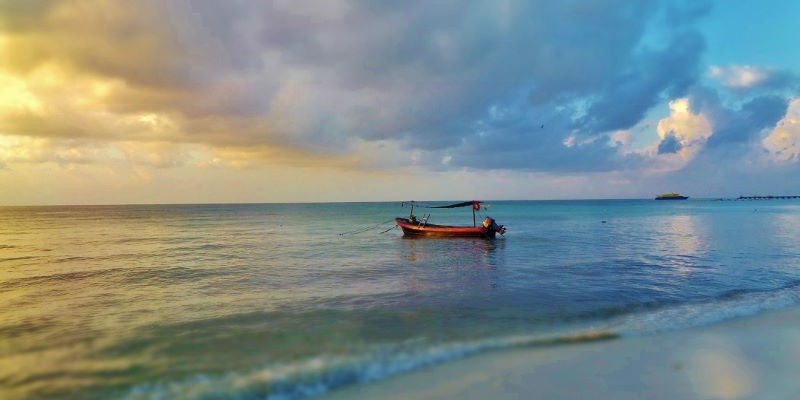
[430, 230]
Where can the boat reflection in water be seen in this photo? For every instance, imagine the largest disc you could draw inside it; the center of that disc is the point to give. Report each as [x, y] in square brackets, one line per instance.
[460, 268]
[412, 226]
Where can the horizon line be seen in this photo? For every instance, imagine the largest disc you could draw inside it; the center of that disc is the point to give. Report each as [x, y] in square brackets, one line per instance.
[715, 198]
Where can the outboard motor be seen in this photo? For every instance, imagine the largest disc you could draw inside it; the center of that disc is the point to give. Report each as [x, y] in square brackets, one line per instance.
[490, 224]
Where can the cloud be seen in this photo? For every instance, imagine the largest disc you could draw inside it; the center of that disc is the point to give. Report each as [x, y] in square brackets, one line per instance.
[669, 145]
[319, 81]
[746, 77]
[23, 149]
[736, 157]
[738, 76]
[783, 142]
[595, 96]
[742, 126]
[669, 71]
[683, 131]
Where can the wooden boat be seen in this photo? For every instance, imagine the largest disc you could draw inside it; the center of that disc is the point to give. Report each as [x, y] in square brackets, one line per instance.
[414, 227]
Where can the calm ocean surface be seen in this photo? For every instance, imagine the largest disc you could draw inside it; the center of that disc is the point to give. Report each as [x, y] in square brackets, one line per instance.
[269, 301]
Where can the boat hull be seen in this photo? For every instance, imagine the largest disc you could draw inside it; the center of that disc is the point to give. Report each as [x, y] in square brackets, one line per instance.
[673, 198]
[429, 230]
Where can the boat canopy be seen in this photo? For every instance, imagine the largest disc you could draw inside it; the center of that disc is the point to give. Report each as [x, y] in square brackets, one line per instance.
[472, 203]
[456, 205]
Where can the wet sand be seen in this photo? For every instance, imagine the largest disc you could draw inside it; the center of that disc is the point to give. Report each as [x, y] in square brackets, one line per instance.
[754, 357]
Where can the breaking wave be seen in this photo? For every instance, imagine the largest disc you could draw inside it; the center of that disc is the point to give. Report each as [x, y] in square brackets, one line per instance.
[321, 374]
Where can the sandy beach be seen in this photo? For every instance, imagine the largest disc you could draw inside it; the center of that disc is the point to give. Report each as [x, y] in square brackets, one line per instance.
[754, 357]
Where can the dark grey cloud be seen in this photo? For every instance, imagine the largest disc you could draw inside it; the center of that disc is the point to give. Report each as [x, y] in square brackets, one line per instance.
[780, 80]
[627, 96]
[582, 72]
[669, 145]
[746, 123]
[537, 140]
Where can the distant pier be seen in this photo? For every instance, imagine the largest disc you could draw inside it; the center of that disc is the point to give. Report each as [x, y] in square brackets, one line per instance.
[768, 197]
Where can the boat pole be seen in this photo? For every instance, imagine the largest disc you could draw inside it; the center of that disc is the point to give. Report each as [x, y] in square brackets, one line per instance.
[473, 217]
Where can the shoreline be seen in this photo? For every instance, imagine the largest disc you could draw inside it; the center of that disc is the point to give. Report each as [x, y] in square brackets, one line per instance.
[746, 357]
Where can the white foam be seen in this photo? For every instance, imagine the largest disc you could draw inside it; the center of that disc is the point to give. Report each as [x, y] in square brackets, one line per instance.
[320, 374]
[699, 314]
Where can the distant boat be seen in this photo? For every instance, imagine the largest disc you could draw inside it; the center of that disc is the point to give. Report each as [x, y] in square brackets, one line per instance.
[671, 196]
[412, 226]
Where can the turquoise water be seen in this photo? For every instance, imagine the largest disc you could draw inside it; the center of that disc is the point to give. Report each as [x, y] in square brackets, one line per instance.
[269, 301]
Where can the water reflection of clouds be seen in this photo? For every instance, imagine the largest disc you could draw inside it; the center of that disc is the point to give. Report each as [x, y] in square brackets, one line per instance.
[683, 231]
[677, 242]
[785, 229]
[683, 243]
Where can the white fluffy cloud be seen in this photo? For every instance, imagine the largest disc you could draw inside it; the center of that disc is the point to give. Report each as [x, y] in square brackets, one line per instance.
[750, 77]
[783, 142]
[739, 76]
[689, 129]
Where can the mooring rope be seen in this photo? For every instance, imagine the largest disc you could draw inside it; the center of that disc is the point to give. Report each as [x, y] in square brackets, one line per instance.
[394, 227]
[362, 230]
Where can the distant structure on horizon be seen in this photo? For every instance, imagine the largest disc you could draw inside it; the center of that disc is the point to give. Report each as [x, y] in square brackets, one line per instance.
[767, 197]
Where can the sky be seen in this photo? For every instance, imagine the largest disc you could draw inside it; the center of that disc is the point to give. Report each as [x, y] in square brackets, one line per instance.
[120, 102]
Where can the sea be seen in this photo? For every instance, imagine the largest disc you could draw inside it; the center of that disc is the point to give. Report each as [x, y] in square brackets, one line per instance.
[291, 301]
